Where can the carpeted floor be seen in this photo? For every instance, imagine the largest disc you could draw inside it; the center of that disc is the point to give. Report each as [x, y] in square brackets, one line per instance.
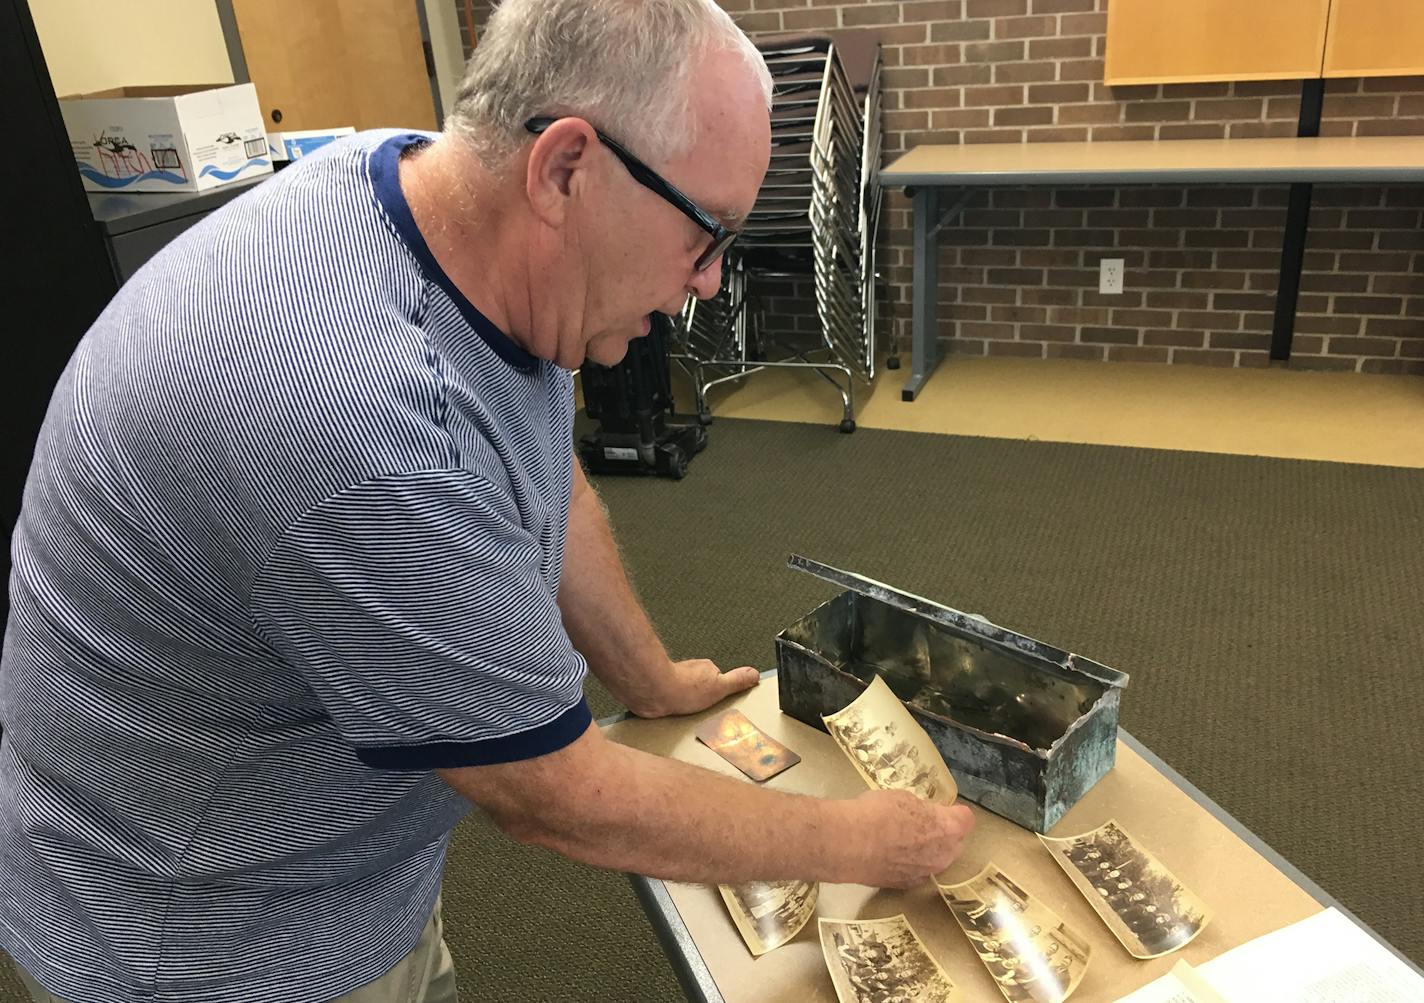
[1269, 612]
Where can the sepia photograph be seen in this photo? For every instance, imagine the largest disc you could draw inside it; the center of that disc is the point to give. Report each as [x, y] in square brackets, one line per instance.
[1142, 903]
[1031, 954]
[770, 913]
[888, 747]
[883, 961]
[736, 739]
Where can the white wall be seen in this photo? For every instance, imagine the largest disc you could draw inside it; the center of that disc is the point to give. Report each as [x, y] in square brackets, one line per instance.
[93, 45]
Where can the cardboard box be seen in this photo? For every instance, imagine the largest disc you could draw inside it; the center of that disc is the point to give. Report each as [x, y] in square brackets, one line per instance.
[296, 145]
[166, 139]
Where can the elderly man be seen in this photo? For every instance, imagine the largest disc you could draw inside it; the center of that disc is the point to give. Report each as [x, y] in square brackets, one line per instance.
[306, 567]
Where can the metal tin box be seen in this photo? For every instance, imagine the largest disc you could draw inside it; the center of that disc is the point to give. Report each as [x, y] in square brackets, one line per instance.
[1025, 728]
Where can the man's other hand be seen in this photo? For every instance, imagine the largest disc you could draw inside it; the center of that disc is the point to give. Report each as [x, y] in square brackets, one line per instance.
[694, 685]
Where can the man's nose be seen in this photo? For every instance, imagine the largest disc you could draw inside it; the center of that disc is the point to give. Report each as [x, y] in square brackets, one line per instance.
[704, 284]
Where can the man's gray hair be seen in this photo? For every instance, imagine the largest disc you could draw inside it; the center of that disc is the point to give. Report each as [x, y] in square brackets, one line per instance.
[625, 65]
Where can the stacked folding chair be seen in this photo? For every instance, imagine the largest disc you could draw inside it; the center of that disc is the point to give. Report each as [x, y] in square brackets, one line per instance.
[816, 216]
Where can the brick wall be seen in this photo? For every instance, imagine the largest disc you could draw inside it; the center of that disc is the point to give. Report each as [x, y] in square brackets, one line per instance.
[1019, 271]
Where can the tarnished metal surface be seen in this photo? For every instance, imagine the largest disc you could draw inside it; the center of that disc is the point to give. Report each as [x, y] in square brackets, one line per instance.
[1026, 728]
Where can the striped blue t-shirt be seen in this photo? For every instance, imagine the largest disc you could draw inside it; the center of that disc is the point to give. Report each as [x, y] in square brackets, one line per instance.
[292, 538]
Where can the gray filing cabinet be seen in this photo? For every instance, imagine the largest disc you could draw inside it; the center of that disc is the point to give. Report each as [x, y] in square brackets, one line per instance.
[136, 225]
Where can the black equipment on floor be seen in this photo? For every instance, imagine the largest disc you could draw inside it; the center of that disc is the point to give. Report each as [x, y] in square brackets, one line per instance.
[631, 402]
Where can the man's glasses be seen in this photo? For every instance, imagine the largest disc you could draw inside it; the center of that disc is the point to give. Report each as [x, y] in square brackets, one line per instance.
[721, 236]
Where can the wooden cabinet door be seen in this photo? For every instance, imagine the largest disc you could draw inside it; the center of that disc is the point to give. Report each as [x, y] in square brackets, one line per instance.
[1180, 41]
[1375, 38]
[323, 63]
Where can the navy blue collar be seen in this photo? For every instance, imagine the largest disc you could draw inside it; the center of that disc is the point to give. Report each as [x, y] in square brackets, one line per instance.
[385, 176]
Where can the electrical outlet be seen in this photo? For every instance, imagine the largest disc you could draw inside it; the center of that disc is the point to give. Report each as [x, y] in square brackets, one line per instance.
[1110, 276]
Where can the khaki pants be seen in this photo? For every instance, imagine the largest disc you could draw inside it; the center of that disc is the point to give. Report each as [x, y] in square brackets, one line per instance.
[425, 975]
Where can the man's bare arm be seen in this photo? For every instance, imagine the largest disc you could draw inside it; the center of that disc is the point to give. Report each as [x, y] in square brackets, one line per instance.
[609, 627]
[611, 806]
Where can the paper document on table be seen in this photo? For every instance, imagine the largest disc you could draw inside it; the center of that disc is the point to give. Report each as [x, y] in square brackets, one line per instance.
[1183, 984]
[1323, 959]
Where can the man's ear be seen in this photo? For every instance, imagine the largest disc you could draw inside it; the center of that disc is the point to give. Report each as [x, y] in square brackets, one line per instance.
[558, 162]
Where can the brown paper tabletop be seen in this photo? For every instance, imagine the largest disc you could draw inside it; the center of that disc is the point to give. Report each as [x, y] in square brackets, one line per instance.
[1249, 894]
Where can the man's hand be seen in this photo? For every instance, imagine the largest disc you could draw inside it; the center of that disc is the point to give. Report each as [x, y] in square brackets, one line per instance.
[694, 685]
[897, 840]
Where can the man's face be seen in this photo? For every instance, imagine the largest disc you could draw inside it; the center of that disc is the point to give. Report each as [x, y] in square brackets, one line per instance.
[647, 247]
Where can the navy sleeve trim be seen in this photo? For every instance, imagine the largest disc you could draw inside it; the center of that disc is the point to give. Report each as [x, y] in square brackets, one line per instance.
[538, 741]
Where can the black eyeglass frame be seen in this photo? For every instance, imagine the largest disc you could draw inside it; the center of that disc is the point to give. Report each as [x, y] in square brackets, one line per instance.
[722, 237]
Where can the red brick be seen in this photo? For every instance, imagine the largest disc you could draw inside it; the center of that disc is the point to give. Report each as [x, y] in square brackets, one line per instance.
[1362, 346]
[1154, 197]
[1398, 285]
[1397, 367]
[1394, 327]
[931, 10]
[1192, 130]
[1080, 69]
[1048, 296]
[1058, 93]
[1243, 301]
[1023, 116]
[1203, 357]
[1239, 339]
[862, 13]
[1083, 24]
[1060, 48]
[994, 136]
[1177, 299]
[1307, 323]
[1110, 335]
[993, 52]
[812, 18]
[934, 97]
[1361, 106]
[1231, 108]
[930, 55]
[1071, 114]
[979, 97]
[959, 76]
[1078, 315]
[1174, 338]
[1378, 305]
[1322, 362]
[1210, 319]
[1017, 349]
[992, 332]
[1335, 283]
[1025, 27]
[1213, 280]
[905, 78]
[1048, 332]
[1089, 352]
[1122, 133]
[1024, 73]
[1260, 130]
[1136, 353]
[1158, 111]
[1020, 315]
[1057, 135]
[960, 118]
[960, 31]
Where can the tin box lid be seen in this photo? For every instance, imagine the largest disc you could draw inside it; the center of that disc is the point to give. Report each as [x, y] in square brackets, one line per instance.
[964, 624]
